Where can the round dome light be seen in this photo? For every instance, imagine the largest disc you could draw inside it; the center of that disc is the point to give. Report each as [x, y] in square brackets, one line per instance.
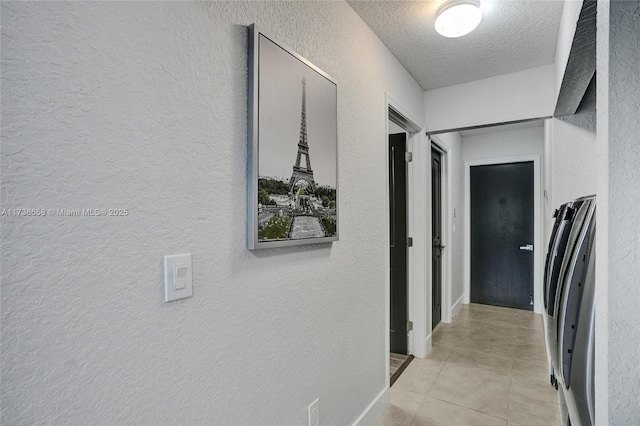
[458, 17]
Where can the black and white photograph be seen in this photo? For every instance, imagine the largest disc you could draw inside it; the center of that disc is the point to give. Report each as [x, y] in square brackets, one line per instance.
[293, 176]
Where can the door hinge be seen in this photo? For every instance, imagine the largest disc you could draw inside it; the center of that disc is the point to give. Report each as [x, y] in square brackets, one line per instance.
[408, 157]
[409, 241]
[409, 325]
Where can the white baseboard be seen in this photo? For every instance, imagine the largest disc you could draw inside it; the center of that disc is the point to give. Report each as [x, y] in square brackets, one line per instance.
[375, 410]
[457, 306]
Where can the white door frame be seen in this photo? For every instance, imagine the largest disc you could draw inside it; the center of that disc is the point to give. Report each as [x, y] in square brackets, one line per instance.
[537, 223]
[416, 283]
[447, 237]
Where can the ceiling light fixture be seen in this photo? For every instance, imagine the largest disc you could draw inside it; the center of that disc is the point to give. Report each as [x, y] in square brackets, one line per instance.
[456, 18]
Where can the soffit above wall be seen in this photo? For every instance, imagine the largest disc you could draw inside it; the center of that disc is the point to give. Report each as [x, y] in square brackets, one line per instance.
[581, 64]
[513, 36]
[504, 127]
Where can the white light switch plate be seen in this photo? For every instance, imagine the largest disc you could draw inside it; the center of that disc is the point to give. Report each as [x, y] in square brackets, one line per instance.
[314, 413]
[178, 277]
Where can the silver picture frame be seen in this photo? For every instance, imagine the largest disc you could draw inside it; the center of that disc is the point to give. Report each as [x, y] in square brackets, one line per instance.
[292, 121]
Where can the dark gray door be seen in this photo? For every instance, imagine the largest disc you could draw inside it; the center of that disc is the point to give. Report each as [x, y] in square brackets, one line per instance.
[502, 234]
[436, 232]
[398, 242]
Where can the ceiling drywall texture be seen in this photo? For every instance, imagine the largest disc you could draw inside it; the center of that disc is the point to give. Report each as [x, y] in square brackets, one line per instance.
[513, 36]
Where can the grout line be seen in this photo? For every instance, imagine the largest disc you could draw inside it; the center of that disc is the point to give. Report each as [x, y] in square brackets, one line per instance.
[416, 413]
[469, 408]
[438, 375]
[483, 353]
[510, 387]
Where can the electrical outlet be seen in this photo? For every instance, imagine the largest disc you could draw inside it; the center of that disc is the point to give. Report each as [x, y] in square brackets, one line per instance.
[314, 413]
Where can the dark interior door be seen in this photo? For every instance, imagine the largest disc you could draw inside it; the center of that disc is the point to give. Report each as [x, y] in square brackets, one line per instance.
[436, 232]
[502, 234]
[398, 242]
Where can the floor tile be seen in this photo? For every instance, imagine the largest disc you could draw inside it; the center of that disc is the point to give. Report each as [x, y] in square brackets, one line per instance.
[487, 367]
[532, 321]
[528, 335]
[500, 318]
[532, 412]
[464, 313]
[408, 402]
[395, 416]
[418, 378]
[498, 329]
[440, 413]
[461, 358]
[531, 388]
[458, 326]
[428, 364]
[531, 371]
[474, 388]
[448, 338]
[531, 353]
[402, 407]
[405, 399]
[488, 344]
[513, 423]
[533, 400]
[439, 353]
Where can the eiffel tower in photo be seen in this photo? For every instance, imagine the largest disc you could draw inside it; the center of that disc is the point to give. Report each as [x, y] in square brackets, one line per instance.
[302, 173]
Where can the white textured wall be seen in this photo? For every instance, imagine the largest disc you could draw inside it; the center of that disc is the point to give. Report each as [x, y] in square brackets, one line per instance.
[570, 155]
[503, 141]
[618, 230]
[143, 106]
[517, 96]
[601, 363]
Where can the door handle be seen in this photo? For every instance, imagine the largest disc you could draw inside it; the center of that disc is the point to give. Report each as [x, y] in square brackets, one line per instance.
[527, 247]
[440, 246]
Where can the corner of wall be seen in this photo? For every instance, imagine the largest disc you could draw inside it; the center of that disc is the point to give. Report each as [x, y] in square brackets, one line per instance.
[374, 412]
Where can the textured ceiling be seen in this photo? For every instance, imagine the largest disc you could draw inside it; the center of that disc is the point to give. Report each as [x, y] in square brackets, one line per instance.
[514, 35]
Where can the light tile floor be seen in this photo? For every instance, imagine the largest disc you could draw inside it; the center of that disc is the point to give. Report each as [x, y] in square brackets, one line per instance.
[487, 367]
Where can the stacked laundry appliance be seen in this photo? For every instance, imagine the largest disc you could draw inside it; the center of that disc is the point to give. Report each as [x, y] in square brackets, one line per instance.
[569, 309]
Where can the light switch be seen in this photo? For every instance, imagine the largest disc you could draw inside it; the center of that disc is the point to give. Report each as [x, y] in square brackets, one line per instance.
[178, 277]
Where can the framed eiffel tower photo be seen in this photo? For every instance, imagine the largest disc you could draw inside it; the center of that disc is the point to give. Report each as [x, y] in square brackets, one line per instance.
[293, 148]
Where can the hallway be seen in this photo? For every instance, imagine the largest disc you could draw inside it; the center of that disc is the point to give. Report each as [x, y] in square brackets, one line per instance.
[487, 367]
